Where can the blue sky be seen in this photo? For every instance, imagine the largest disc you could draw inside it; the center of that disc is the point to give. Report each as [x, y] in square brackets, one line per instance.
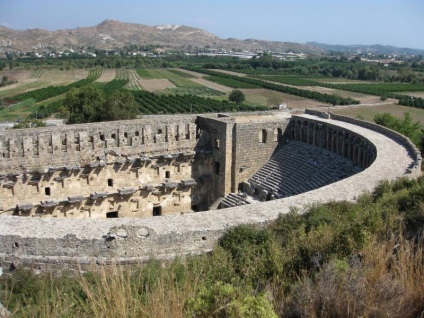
[389, 22]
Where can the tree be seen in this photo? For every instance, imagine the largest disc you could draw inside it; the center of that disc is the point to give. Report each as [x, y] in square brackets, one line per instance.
[236, 96]
[90, 104]
[85, 105]
[405, 126]
[121, 105]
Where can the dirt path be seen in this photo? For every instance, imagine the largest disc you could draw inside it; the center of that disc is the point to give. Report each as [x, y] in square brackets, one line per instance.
[199, 75]
[230, 73]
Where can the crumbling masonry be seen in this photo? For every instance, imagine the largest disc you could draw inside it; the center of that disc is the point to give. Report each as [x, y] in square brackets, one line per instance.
[59, 185]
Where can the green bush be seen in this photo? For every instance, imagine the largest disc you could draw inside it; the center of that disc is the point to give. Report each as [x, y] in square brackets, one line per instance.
[225, 300]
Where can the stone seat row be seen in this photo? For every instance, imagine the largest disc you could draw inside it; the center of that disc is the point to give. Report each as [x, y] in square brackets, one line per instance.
[298, 167]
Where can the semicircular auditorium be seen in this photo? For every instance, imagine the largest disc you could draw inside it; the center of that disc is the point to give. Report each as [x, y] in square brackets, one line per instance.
[89, 193]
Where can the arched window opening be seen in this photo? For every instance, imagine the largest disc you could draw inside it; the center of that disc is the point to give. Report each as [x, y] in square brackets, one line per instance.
[262, 136]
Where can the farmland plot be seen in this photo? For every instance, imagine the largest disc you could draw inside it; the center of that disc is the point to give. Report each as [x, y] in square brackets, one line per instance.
[154, 85]
[107, 76]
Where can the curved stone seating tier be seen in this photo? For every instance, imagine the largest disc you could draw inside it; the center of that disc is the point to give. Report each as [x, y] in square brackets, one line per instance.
[50, 243]
[298, 167]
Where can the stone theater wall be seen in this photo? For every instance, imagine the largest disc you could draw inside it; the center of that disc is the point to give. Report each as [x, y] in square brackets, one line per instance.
[154, 166]
[58, 186]
[128, 168]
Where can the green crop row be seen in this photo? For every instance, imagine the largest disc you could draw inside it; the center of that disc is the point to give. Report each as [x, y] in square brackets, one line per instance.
[231, 82]
[150, 103]
[201, 91]
[410, 101]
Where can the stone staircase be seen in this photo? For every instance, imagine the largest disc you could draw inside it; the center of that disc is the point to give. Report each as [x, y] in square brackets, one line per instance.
[233, 200]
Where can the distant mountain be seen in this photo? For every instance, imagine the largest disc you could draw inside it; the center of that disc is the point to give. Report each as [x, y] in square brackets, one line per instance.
[376, 48]
[111, 34]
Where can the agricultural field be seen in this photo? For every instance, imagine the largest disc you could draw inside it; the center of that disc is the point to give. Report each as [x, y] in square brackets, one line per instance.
[203, 90]
[31, 80]
[213, 85]
[174, 81]
[192, 73]
[19, 88]
[271, 99]
[368, 112]
[59, 77]
[414, 94]
[150, 103]
[107, 76]
[155, 85]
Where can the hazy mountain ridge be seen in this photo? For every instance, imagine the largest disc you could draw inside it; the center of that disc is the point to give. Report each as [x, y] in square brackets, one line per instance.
[111, 34]
[375, 48]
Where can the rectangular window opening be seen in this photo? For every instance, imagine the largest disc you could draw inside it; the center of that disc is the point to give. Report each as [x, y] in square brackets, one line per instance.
[157, 210]
[47, 191]
[110, 182]
[216, 167]
[112, 215]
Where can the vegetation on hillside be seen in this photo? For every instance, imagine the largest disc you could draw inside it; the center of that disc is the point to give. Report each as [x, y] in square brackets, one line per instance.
[339, 259]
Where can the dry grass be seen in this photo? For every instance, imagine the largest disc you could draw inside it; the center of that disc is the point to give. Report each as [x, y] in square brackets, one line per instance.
[368, 112]
[156, 84]
[107, 75]
[270, 98]
[216, 86]
[118, 291]
[59, 77]
[385, 280]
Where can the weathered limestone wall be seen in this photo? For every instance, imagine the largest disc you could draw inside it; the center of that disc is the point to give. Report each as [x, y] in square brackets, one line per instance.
[335, 138]
[128, 168]
[254, 143]
[82, 144]
[219, 139]
[50, 243]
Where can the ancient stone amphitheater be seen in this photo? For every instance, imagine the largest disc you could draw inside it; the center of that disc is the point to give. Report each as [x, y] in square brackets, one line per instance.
[163, 186]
